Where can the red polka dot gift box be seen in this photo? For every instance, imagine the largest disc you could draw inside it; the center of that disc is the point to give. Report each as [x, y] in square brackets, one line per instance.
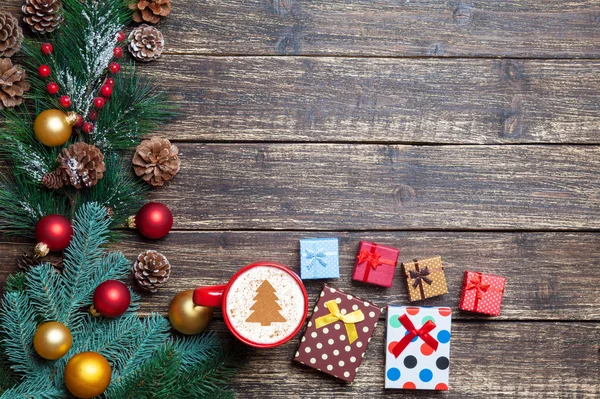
[425, 278]
[482, 293]
[418, 348]
[375, 264]
[338, 333]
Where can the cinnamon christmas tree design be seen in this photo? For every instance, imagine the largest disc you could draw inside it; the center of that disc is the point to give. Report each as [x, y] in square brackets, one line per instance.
[266, 309]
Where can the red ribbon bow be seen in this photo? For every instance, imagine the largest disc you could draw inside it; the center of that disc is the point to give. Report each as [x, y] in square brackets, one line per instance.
[422, 333]
[475, 283]
[372, 259]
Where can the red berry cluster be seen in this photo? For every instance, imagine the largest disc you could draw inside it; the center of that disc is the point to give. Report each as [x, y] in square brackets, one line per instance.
[105, 91]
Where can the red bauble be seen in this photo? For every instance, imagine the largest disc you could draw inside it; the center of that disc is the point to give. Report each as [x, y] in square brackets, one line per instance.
[114, 67]
[154, 220]
[47, 48]
[79, 121]
[88, 127]
[65, 101]
[110, 82]
[118, 52]
[98, 102]
[112, 298]
[55, 231]
[52, 88]
[93, 115]
[106, 90]
[120, 37]
[44, 71]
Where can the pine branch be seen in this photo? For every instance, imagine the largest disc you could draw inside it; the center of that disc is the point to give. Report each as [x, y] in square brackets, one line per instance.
[15, 282]
[45, 290]
[39, 387]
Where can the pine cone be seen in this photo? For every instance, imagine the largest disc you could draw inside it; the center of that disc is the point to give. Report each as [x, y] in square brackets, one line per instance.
[11, 35]
[26, 262]
[150, 11]
[146, 43]
[151, 270]
[156, 161]
[12, 84]
[80, 165]
[43, 16]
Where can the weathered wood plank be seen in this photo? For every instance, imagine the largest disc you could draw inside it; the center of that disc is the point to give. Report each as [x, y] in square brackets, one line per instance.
[544, 270]
[498, 360]
[508, 28]
[374, 187]
[383, 100]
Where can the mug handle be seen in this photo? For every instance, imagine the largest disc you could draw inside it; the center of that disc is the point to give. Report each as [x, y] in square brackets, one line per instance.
[211, 296]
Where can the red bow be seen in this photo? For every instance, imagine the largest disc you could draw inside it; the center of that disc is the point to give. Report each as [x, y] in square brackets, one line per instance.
[475, 283]
[372, 259]
[422, 333]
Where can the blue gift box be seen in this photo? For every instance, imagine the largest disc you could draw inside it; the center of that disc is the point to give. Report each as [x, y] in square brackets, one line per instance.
[319, 258]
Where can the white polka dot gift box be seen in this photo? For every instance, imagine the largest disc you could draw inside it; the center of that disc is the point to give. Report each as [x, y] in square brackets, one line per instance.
[338, 333]
[319, 258]
[418, 348]
[482, 293]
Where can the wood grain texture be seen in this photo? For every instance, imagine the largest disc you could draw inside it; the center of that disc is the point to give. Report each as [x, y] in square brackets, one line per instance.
[373, 187]
[544, 270]
[383, 100]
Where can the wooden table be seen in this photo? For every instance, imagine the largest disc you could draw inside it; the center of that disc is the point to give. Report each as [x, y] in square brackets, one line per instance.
[465, 129]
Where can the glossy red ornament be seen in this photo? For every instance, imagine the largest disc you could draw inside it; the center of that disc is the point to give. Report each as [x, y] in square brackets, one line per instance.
[44, 71]
[47, 48]
[106, 90]
[154, 220]
[112, 298]
[118, 52]
[65, 101]
[114, 67]
[52, 88]
[110, 82]
[120, 37]
[88, 127]
[55, 231]
[98, 102]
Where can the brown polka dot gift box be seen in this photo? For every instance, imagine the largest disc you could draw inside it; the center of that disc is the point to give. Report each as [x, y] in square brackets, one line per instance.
[425, 278]
[482, 293]
[338, 333]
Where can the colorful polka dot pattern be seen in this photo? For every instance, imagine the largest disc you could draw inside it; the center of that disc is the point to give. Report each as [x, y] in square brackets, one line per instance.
[327, 348]
[438, 284]
[491, 300]
[418, 366]
[319, 258]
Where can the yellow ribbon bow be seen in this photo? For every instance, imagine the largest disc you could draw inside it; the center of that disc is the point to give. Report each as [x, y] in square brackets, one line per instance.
[348, 319]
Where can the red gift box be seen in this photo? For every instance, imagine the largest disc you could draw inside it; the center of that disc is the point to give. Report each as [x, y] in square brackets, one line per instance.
[482, 293]
[375, 264]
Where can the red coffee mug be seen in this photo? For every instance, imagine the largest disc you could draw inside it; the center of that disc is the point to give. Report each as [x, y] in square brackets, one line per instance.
[264, 304]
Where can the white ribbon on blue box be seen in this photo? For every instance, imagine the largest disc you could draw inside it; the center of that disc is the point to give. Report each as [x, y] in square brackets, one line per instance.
[319, 258]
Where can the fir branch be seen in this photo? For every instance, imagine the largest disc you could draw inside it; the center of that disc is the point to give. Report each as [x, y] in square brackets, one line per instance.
[45, 290]
[15, 282]
[39, 387]
[7, 379]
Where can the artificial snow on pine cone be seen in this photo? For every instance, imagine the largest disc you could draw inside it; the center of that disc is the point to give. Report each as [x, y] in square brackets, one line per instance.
[146, 43]
[151, 270]
[80, 165]
[11, 35]
[43, 16]
[156, 161]
[150, 11]
[13, 84]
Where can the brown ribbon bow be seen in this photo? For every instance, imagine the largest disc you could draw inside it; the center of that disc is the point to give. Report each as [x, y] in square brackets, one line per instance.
[419, 276]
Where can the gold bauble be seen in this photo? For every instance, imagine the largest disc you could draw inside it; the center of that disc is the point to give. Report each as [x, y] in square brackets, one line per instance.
[53, 127]
[186, 317]
[52, 340]
[87, 375]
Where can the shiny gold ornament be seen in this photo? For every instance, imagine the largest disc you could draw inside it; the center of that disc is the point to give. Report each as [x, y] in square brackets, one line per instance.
[186, 317]
[53, 127]
[87, 375]
[52, 340]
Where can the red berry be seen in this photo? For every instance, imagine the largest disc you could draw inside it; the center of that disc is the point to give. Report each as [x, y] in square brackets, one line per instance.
[106, 90]
[88, 127]
[114, 67]
[93, 115]
[98, 102]
[65, 101]
[120, 37]
[47, 48]
[118, 52]
[44, 71]
[52, 88]
[110, 82]
[79, 121]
